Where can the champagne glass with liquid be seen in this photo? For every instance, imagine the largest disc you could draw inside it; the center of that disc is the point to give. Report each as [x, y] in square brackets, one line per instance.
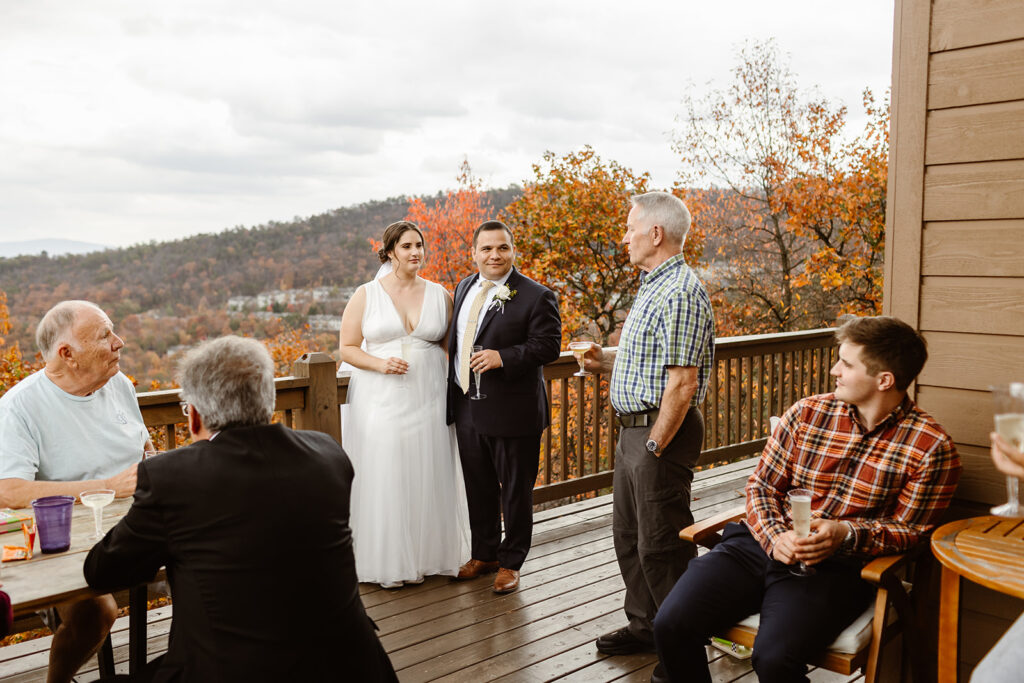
[800, 506]
[476, 375]
[406, 349]
[1009, 417]
[97, 499]
[579, 348]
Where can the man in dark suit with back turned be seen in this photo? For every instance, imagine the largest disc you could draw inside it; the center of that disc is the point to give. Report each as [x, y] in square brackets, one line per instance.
[516, 321]
[251, 522]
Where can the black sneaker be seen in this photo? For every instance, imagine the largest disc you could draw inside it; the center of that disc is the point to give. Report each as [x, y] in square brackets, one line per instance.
[623, 642]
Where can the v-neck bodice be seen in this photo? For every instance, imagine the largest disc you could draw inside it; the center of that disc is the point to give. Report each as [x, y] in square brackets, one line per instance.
[383, 325]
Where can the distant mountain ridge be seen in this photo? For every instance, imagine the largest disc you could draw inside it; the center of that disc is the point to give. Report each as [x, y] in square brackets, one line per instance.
[52, 247]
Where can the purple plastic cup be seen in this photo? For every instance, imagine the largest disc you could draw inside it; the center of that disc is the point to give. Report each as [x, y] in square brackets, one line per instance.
[53, 522]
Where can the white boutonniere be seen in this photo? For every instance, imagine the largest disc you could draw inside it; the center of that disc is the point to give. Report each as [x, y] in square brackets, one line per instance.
[502, 295]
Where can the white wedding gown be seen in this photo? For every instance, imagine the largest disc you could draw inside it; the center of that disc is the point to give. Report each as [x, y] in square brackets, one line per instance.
[409, 513]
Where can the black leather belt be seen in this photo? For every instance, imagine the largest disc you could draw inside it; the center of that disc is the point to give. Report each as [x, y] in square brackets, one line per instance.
[644, 419]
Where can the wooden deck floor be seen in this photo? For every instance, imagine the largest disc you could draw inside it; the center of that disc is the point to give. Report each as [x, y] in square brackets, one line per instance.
[570, 593]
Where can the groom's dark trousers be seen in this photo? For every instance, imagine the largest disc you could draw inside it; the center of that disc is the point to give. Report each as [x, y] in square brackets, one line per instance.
[499, 436]
[498, 468]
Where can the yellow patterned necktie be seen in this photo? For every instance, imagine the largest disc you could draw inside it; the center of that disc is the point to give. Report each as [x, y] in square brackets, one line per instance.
[470, 335]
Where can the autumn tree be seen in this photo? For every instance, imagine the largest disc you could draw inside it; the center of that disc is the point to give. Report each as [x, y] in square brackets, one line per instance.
[13, 365]
[448, 228]
[569, 222]
[841, 208]
[289, 344]
[794, 212]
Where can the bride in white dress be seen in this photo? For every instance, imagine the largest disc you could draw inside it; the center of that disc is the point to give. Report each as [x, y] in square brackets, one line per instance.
[409, 514]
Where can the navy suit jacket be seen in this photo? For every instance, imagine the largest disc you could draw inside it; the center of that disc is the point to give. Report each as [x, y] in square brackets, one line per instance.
[528, 335]
[253, 530]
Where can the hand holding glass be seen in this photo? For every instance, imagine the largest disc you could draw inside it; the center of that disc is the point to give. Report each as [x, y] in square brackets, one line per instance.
[800, 505]
[97, 499]
[579, 349]
[1009, 417]
[476, 375]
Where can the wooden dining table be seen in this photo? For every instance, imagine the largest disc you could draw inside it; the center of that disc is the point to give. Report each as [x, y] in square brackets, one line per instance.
[986, 550]
[48, 580]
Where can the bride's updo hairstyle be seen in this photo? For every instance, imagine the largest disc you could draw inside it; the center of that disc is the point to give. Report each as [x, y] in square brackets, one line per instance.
[392, 234]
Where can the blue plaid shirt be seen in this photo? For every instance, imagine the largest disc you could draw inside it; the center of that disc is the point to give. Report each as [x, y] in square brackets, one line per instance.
[671, 323]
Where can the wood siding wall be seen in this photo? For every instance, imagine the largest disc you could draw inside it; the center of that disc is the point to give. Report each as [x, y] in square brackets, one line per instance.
[955, 227]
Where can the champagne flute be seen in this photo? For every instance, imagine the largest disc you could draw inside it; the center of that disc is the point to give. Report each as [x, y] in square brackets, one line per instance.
[476, 375]
[97, 499]
[1009, 417]
[579, 348]
[800, 506]
[406, 348]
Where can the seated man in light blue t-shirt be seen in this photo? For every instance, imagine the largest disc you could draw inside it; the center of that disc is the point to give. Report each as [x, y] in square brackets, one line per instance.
[72, 426]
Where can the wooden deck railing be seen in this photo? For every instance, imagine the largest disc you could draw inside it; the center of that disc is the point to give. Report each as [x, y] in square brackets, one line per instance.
[755, 377]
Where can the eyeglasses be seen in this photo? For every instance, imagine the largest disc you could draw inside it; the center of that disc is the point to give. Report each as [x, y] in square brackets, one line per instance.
[184, 408]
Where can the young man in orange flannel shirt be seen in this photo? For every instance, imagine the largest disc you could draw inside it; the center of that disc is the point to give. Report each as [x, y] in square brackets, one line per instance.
[881, 471]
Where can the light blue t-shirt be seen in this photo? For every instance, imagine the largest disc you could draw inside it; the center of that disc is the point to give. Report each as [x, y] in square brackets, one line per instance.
[47, 434]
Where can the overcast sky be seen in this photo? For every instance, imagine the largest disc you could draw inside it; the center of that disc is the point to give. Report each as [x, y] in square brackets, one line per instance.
[124, 121]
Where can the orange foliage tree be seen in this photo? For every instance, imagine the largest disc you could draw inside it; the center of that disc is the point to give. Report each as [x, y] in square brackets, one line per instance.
[841, 208]
[569, 224]
[794, 212]
[289, 344]
[14, 367]
[448, 228]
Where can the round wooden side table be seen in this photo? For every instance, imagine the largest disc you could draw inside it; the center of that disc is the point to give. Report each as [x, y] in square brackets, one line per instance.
[986, 550]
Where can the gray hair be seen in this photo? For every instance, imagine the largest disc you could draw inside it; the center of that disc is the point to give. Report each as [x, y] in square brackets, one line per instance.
[55, 327]
[666, 210]
[230, 381]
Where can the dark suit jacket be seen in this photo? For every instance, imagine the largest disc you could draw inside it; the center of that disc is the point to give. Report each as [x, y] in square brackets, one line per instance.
[528, 335]
[253, 530]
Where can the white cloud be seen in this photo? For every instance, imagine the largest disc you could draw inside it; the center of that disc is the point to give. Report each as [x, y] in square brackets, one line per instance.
[125, 122]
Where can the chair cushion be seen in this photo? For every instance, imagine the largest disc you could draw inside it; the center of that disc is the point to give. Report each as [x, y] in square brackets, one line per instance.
[854, 637]
[850, 641]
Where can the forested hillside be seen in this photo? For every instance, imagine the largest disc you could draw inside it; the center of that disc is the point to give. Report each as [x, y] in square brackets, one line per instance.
[203, 271]
[166, 295]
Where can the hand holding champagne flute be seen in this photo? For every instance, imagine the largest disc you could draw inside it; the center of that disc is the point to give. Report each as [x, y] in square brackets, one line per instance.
[800, 507]
[1009, 419]
[476, 376]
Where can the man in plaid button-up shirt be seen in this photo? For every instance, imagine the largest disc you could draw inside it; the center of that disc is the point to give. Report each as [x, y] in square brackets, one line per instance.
[659, 378]
[880, 470]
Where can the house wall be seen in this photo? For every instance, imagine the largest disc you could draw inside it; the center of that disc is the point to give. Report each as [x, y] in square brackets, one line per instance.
[955, 227]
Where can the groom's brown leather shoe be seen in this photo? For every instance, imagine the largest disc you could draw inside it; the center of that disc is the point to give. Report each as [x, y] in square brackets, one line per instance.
[506, 581]
[475, 568]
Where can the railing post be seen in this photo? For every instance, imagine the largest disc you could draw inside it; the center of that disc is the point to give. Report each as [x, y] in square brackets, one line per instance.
[321, 406]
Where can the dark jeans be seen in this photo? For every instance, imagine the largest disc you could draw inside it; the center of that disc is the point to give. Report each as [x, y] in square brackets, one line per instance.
[500, 473]
[800, 616]
[651, 504]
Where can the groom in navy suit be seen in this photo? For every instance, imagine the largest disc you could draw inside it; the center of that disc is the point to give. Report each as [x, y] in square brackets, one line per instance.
[516, 322]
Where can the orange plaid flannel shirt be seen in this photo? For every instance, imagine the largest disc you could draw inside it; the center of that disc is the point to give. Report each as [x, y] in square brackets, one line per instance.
[890, 483]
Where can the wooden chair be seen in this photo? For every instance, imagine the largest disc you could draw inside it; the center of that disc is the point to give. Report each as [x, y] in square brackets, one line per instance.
[877, 621]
